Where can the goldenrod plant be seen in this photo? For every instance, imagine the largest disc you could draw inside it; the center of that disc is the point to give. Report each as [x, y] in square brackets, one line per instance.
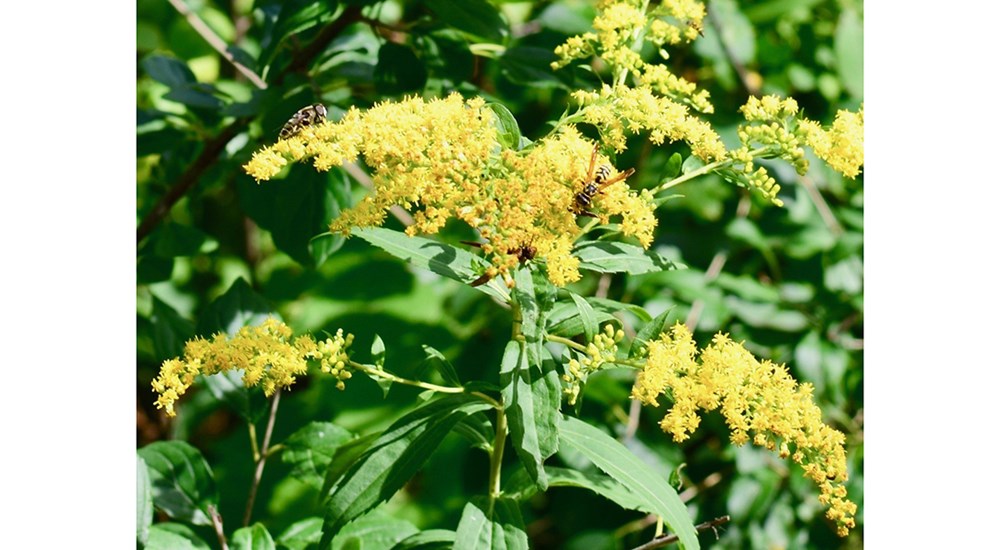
[570, 320]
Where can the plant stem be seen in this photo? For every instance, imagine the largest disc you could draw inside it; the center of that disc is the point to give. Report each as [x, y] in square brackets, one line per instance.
[220, 533]
[496, 457]
[261, 458]
[566, 342]
[379, 373]
[483, 49]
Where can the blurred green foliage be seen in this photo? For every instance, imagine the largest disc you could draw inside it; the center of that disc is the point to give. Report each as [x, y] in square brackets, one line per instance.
[786, 281]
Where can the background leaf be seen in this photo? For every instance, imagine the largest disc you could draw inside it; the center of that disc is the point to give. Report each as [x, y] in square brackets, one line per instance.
[182, 482]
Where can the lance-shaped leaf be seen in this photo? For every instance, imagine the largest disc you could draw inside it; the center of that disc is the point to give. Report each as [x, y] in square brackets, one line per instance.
[302, 534]
[443, 259]
[499, 528]
[374, 530]
[143, 501]
[612, 257]
[520, 487]
[432, 539]
[393, 459]
[183, 486]
[655, 495]
[649, 331]
[174, 536]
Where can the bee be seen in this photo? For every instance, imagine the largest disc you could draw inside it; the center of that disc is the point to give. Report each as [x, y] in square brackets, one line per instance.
[306, 116]
[595, 182]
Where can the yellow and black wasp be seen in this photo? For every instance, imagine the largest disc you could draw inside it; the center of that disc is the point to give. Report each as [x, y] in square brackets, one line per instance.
[594, 183]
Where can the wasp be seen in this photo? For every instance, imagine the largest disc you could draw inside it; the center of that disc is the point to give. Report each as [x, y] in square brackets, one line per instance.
[524, 253]
[306, 116]
[595, 182]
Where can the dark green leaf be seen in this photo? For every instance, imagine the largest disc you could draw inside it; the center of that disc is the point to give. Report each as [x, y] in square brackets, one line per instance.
[393, 459]
[399, 70]
[174, 239]
[374, 530]
[183, 485]
[530, 66]
[649, 488]
[309, 451]
[849, 46]
[612, 257]
[476, 17]
[254, 537]
[565, 319]
[346, 456]
[143, 501]
[168, 70]
[478, 429]
[587, 316]
[432, 539]
[649, 331]
[448, 56]
[673, 168]
[503, 529]
[199, 96]
[239, 307]
[170, 330]
[508, 132]
[520, 487]
[302, 534]
[323, 246]
[437, 257]
[174, 536]
[229, 388]
[438, 361]
[151, 269]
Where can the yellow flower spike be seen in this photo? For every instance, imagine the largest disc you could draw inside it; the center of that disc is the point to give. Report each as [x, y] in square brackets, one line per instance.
[754, 396]
[266, 354]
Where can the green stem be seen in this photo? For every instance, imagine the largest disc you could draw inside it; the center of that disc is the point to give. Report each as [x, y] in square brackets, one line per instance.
[379, 373]
[483, 49]
[496, 457]
[566, 342]
[705, 169]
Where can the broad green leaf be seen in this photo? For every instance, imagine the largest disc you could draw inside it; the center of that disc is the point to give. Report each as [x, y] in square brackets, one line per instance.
[773, 9]
[393, 459]
[174, 536]
[283, 19]
[612, 257]
[530, 66]
[849, 45]
[508, 132]
[649, 331]
[673, 167]
[254, 537]
[375, 530]
[503, 529]
[296, 210]
[432, 539]
[143, 501]
[650, 488]
[437, 360]
[587, 316]
[174, 239]
[239, 307]
[443, 259]
[170, 330]
[151, 268]
[229, 388]
[520, 487]
[309, 450]
[183, 485]
[302, 534]
[399, 70]
[168, 70]
[476, 17]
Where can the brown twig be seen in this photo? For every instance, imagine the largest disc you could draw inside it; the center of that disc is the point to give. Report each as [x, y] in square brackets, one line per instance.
[217, 43]
[261, 457]
[215, 145]
[216, 518]
[660, 542]
[822, 207]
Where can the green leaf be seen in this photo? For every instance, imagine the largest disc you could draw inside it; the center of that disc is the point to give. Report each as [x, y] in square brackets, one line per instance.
[174, 239]
[432, 539]
[302, 534]
[651, 489]
[508, 132]
[174, 536]
[297, 210]
[448, 56]
[393, 459]
[673, 167]
[849, 47]
[239, 307]
[530, 66]
[587, 316]
[309, 451]
[168, 70]
[565, 319]
[374, 530]
[612, 257]
[649, 331]
[478, 429]
[501, 529]
[399, 70]
[229, 388]
[170, 330]
[476, 17]
[143, 501]
[520, 487]
[346, 456]
[151, 268]
[183, 485]
[254, 537]
[443, 259]
[437, 360]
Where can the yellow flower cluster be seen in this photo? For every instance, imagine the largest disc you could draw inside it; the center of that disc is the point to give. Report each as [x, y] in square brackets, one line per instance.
[441, 160]
[842, 147]
[602, 349]
[660, 100]
[266, 354]
[756, 398]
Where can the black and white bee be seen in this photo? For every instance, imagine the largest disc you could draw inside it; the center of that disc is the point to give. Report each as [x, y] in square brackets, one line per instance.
[306, 116]
[595, 182]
